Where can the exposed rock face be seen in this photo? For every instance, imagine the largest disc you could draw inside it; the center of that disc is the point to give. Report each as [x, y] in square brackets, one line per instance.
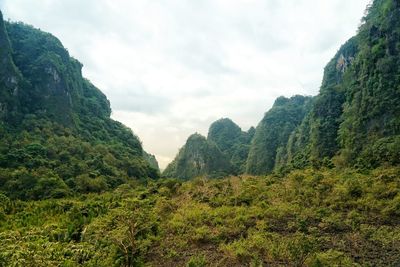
[53, 79]
[9, 75]
[343, 62]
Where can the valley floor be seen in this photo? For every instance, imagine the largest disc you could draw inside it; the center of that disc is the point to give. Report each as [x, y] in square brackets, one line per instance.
[305, 218]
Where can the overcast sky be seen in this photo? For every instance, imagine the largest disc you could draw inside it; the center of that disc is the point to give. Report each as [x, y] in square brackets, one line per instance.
[172, 67]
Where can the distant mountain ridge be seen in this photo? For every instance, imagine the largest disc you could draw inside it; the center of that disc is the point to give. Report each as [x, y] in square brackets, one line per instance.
[222, 153]
[354, 121]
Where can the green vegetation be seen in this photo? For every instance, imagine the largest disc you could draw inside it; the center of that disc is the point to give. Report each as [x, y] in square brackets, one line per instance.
[314, 142]
[355, 118]
[57, 137]
[353, 122]
[371, 113]
[151, 160]
[48, 160]
[232, 141]
[305, 218]
[77, 189]
[272, 133]
[224, 152]
[198, 157]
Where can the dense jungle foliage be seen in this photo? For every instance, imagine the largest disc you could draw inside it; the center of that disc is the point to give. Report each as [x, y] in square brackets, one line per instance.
[354, 121]
[272, 133]
[222, 153]
[198, 157]
[57, 137]
[232, 141]
[305, 218]
[77, 189]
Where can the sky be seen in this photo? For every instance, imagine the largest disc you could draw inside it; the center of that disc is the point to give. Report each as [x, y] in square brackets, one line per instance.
[172, 67]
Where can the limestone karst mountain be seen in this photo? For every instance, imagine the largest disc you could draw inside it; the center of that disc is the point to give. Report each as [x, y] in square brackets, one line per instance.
[354, 121]
[57, 136]
[198, 157]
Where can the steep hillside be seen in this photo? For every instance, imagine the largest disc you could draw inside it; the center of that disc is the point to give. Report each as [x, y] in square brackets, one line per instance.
[232, 141]
[224, 152]
[369, 134]
[272, 133]
[315, 141]
[301, 211]
[198, 157]
[10, 78]
[355, 120]
[151, 160]
[57, 137]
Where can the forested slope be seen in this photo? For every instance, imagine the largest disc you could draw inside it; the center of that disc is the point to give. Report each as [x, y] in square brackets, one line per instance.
[354, 121]
[224, 152]
[57, 137]
[327, 191]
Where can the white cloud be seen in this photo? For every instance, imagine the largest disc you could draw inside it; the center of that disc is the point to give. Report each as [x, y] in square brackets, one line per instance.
[172, 67]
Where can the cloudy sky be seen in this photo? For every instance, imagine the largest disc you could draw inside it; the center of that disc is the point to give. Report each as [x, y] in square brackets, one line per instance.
[171, 67]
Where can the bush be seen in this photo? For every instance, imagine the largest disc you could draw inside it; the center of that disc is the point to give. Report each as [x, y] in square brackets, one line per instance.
[197, 261]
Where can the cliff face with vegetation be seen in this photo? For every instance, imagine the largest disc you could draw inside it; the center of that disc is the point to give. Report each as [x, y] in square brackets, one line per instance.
[314, 141]
[223, 152]
[232, 141]
[10, 78]
[198, 157]
[354, 121]
[272, 133]
[57, 140]
[369, 134]
[57, 137]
